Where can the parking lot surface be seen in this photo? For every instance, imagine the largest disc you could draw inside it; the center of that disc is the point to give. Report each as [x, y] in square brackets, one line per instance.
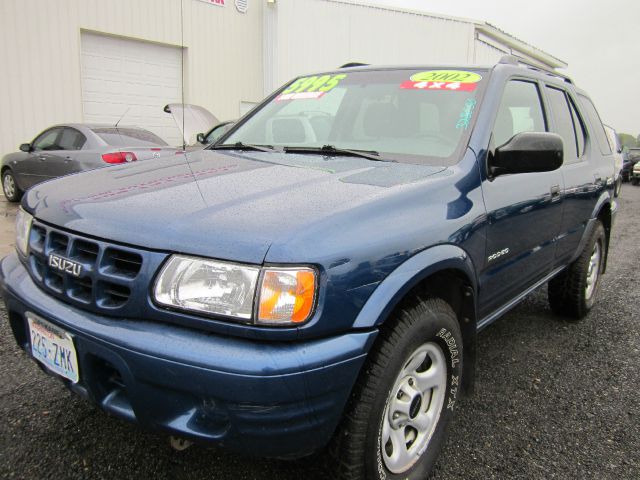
[553, 400]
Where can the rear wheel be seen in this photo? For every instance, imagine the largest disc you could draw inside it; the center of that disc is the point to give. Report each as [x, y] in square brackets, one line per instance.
[396, 421]
[634, 180]
[10, 187]
[573, 292]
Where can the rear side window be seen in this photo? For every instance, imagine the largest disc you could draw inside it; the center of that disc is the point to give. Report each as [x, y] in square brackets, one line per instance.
[612, 136]
[578, 125]
[129, 137]
[71, 139]
[563, 122]
[520, 111]
[596, 125]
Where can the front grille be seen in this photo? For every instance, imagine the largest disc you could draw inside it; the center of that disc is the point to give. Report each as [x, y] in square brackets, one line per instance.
[106, 280]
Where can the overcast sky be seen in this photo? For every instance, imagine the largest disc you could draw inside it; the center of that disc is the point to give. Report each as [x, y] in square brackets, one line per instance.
[600, 40]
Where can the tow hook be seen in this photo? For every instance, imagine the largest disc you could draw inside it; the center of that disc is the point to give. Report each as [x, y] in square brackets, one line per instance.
[179, 444]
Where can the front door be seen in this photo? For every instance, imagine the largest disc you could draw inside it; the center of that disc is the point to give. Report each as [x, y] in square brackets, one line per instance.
[44, 150]
[524, 210]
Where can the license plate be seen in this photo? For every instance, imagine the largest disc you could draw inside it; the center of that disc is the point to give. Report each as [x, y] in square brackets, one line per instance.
[53, 347]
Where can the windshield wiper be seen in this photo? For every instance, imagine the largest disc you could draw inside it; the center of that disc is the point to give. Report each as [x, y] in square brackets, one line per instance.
[243, 146]
[333, 150]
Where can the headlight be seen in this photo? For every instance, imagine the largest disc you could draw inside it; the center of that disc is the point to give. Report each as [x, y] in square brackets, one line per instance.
[23, 227]
[207, 286]
[286, 295]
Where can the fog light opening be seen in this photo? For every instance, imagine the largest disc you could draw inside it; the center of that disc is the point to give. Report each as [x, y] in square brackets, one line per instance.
[179, 444]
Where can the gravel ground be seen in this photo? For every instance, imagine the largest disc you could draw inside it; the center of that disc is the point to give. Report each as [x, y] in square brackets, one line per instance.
[553, 400]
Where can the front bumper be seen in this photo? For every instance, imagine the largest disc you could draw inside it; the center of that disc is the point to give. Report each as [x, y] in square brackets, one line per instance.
[272, 399]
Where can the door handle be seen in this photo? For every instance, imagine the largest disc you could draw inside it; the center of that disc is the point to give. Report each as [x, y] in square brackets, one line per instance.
[555, 191]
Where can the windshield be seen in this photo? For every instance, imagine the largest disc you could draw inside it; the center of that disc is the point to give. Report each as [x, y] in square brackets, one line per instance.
[415, 116]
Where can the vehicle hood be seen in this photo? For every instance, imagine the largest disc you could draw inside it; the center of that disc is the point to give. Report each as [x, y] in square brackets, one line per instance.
[221, 204]
[191, 120]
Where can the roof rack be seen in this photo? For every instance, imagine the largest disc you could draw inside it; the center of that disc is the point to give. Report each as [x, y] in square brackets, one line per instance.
[353, 64]
[517, 61]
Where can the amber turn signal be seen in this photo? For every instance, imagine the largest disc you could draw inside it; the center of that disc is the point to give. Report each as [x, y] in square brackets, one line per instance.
[286, 296]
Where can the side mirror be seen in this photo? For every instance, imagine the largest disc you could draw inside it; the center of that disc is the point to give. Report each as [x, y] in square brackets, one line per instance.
[528, 152]
[25, 147]
[200, 138]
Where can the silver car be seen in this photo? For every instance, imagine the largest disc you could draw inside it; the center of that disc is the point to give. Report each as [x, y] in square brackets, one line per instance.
[616, 148]
[75, 147]
[191, 119]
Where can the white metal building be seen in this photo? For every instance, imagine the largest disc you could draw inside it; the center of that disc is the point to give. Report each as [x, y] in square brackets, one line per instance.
[97, 60]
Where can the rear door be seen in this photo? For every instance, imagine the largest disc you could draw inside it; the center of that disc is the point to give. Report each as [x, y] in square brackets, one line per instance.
[66, 161]
[524, 210]
[577, 171]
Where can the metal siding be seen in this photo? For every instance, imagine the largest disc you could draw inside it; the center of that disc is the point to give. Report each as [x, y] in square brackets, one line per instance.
[40, 55]
[318, 34]
[130, 80]
[486, 54]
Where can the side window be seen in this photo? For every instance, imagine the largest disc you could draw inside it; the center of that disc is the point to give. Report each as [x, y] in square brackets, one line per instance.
[47, 141]
[520, 111]
[217, 132]
[563, 122]
[71, 139]
[596, 125]
[578, 125]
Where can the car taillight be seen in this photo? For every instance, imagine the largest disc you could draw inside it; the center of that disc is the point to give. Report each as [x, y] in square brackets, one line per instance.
[119, 157]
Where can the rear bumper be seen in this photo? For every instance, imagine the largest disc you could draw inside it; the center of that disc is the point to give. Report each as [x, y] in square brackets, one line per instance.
[263, 398]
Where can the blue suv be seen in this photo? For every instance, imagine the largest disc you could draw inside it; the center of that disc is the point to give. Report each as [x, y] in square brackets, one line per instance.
[317, 278]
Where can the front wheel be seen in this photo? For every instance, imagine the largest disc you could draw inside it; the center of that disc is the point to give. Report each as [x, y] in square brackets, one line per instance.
[396, 421]
[10, 187]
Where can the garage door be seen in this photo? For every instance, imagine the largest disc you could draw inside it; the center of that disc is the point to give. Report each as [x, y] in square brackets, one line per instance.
[122, 75]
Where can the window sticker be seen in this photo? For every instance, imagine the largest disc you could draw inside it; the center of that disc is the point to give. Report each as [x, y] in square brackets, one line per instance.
[453, 80]
[466, 113]
[311, 87]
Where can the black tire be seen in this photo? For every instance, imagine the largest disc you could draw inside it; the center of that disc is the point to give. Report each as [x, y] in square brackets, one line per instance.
[12, 194]
[567, 292]
[357, 445]
[634, 180]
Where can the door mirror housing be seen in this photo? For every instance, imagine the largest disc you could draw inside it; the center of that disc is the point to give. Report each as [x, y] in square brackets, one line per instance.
[527, 152]
[25, 147]
[201, 139]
